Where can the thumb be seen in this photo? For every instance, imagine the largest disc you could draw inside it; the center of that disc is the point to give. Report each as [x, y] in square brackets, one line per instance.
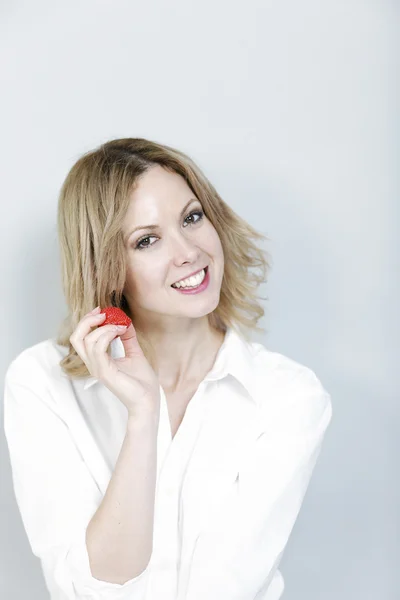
[130, 342]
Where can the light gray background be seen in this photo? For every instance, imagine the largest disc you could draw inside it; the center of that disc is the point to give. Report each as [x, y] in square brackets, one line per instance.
[289, 107]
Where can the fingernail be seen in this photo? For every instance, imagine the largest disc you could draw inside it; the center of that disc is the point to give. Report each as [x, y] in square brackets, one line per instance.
[120, 327]
[95, 310]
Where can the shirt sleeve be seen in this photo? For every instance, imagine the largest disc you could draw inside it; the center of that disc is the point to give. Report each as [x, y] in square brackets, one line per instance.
[54, 490]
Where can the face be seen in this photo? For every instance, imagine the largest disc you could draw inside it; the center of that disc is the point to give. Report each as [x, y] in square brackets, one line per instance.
[184, 242]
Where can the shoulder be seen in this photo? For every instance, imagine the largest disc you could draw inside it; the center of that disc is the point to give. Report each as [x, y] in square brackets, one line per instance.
[288, 390]
[36, 365]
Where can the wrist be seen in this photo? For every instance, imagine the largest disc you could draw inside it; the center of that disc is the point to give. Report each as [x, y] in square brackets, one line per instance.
[143, 419]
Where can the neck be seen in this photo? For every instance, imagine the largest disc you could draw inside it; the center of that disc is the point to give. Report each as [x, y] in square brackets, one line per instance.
[182, 359]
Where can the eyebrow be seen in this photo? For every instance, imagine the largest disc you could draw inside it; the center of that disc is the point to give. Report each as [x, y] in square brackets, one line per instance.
[154, 226]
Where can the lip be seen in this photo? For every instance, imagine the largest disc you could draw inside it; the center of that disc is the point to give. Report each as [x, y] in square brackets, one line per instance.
[187, 276]
[196, 290]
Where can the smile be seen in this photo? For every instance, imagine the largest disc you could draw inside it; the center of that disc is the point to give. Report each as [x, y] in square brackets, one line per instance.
[192, 281]
[195, 284]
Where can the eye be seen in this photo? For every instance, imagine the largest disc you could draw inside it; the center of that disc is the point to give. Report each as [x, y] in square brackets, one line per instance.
[199, 213]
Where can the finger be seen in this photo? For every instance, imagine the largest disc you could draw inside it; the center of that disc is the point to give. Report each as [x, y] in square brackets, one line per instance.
[88, 321]
[98, 341]
[130, 342]
[83, 328]
[97, 344]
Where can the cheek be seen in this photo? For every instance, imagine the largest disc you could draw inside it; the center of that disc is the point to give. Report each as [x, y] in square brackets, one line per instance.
[217, 251]
[144, 278]
[211, 240]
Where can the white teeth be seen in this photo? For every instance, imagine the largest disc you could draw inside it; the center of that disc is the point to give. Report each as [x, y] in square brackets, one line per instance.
[191, 281]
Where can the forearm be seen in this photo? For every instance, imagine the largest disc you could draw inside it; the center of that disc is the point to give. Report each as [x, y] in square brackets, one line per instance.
[120, 533]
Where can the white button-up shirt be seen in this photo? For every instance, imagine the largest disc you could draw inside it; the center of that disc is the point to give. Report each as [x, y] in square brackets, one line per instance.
[229, 485]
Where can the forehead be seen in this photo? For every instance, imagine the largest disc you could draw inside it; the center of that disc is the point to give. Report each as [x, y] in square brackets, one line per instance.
[158, 185]
[157, 194]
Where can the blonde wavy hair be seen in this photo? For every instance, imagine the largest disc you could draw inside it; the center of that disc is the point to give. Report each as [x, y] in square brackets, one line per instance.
[92, 205]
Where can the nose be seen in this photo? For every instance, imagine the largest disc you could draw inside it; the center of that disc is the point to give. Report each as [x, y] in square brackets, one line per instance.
[184, 250]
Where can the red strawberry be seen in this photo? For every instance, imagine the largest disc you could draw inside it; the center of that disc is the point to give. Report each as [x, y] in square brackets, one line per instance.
[115, 316]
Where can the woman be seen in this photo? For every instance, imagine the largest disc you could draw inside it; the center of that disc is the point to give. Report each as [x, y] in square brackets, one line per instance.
[176, 471]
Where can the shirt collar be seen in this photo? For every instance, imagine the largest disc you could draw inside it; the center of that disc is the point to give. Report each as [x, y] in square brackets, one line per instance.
[234, 358]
